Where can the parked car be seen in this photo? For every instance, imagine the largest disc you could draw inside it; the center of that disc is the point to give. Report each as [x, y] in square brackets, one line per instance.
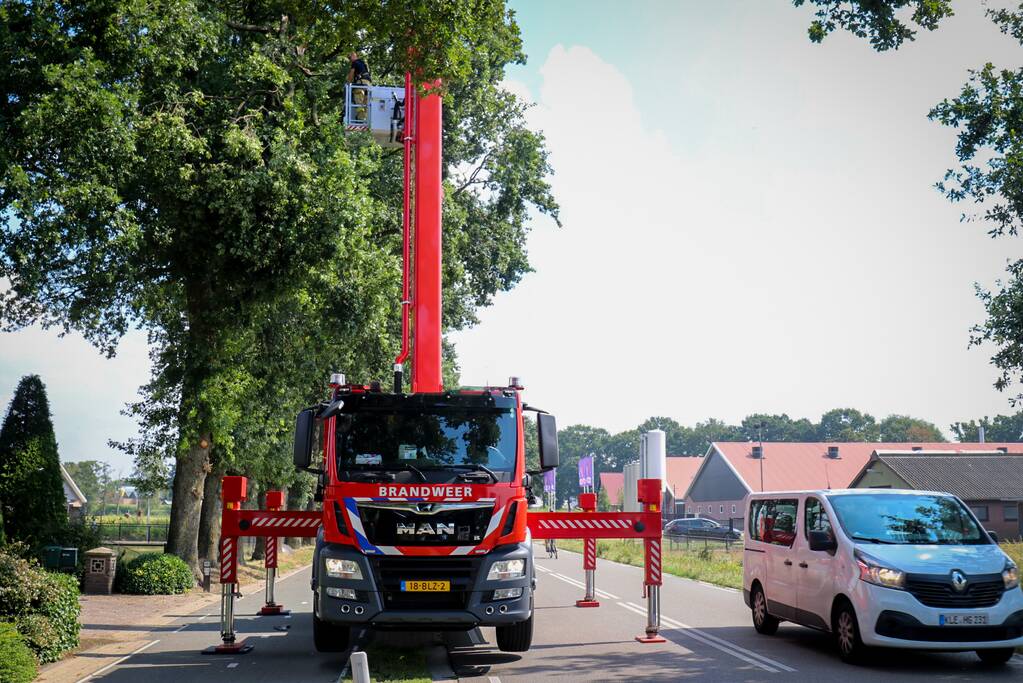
[890, 568]
[698, 527]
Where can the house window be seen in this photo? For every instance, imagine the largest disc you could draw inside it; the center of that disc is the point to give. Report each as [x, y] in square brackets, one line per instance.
[980, 511]
[1011, 513]
[721, 509]
[699, 509]
[689, 509]
[733, 508]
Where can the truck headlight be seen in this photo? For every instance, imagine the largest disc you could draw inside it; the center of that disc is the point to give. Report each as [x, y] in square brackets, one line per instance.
[507, 569]
[1010, 575]
[343, 569]
[872, 571]
[507, 593]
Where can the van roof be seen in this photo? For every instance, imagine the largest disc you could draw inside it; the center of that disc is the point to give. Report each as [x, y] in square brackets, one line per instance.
[844, 492]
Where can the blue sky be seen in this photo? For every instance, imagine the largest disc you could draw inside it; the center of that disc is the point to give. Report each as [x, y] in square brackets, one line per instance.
[749, 220]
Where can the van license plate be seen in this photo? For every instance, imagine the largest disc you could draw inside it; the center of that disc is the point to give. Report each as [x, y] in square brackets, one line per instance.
[426, 586]
[962, 620]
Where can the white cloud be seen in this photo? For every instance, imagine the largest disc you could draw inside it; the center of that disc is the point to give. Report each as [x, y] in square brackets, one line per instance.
[801, 263]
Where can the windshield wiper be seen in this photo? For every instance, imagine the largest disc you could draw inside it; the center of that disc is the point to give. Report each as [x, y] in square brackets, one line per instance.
[471, 469]
[407, 467]
[856, 537]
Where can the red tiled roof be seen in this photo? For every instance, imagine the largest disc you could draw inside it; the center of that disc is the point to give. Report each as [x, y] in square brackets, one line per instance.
[681, 470]
[613, 483]
[800, 466]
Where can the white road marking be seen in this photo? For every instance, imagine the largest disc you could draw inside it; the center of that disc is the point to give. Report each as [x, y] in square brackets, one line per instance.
[203, 616]
[232, 665]
[494, 679]
[119, 661]
[181, 628]
[578, 584]
[720, 643]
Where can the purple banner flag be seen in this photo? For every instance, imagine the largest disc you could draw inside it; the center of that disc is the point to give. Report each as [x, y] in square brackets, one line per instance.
[586, 471]
[549, 481]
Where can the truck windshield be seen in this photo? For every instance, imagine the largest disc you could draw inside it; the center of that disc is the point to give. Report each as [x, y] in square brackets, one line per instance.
[396, 433]
[906, 519]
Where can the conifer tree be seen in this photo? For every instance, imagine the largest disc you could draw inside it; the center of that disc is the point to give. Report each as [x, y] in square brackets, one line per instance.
[31, 491]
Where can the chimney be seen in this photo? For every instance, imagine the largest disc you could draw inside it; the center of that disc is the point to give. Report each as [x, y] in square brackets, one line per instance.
[1004, 449]
[918, 448]
[758, 452]
[980, 434]
[832, 451]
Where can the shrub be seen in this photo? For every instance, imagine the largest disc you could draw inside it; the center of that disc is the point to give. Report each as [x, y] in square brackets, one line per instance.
[155, 574]
[17, 665]
[43, 606]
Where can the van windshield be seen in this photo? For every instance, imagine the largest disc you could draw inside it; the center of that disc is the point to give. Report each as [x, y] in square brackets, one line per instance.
[906, 519]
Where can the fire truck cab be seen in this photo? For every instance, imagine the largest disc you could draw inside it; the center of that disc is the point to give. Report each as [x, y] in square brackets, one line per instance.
[425, 498]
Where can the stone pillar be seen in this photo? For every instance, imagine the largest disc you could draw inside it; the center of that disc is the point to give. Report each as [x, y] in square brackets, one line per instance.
[100, 567]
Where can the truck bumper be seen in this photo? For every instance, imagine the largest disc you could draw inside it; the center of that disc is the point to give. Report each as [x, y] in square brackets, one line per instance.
[379, 602]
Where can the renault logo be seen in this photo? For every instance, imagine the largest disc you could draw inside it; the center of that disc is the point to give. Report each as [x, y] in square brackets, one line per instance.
[958, 580]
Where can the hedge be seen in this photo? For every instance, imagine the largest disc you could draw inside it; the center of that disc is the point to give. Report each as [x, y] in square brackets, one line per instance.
[17, 665]
[155, 574]
[42, 605]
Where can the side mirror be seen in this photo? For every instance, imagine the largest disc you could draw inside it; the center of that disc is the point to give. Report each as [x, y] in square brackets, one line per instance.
[304, 424]
[822, 541]
[993, 535]
[548, 429]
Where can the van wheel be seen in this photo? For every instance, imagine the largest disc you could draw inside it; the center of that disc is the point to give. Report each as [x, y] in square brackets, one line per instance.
[999, 655]
[763, 622]
[515, 637]
[847, 634]
[330, 637]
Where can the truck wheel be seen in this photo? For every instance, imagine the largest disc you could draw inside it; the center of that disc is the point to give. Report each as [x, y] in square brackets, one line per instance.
[999, 655]
[515, 637]
[330, 637]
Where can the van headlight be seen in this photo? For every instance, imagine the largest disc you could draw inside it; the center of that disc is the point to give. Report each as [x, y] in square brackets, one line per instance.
[343, 569]
[875, 572]
[507, 569]
[1010, 575]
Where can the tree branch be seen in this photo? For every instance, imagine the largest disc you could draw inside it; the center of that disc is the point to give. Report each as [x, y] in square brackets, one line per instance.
[252, 28]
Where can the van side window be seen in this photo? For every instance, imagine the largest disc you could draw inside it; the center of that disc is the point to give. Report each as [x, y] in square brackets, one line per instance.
[816, 517]
[773, 521]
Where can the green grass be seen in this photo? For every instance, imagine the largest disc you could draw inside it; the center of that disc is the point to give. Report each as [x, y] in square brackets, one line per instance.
[394, 665]
[1015, 551]
[713, 564]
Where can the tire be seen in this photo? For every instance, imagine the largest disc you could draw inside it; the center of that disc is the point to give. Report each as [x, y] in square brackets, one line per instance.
[999, 655]
[515, 637]
[846, 629]
[763, 622]
[330, 637]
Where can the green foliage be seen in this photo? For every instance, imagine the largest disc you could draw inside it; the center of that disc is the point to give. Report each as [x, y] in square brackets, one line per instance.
[1005, 428]
[43, 605]
[17, 665]
[877, 20]
[715, 565]
[31, 488]
[603, 501]
[903, 428]
[155, 574]
[848, 424]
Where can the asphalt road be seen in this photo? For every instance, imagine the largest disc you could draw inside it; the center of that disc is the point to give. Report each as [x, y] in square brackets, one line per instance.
[708, 632]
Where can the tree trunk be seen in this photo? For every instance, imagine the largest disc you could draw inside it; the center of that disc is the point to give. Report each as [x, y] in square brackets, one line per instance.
[294, 502]
[259, 549]
[209, 517]
[189, 481]
[311, 505]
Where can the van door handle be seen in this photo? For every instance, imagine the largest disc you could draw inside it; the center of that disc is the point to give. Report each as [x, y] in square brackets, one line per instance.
[804, 565]
[788, 563]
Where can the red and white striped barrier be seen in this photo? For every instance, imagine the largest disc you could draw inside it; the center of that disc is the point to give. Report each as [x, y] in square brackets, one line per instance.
[228, 559]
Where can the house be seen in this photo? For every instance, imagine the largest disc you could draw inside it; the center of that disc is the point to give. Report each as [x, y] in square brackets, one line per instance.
[732, 469]
[990, 481]
[73, 495]
[613, 483]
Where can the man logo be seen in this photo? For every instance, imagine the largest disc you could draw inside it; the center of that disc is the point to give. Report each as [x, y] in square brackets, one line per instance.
[959, 581]
[425, 529]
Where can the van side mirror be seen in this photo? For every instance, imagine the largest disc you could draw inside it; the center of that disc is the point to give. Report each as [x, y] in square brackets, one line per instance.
[304, 424]
[548, 433]
[822, 541]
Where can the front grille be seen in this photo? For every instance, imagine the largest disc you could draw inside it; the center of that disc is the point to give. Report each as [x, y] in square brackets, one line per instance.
[391, 571]
[983, 590]
[905, 627]
[453, 526]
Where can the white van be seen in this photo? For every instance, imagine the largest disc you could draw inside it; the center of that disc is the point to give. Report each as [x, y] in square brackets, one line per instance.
[881, 567]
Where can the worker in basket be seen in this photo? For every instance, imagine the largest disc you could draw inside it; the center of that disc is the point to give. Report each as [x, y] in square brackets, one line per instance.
[358, 74]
